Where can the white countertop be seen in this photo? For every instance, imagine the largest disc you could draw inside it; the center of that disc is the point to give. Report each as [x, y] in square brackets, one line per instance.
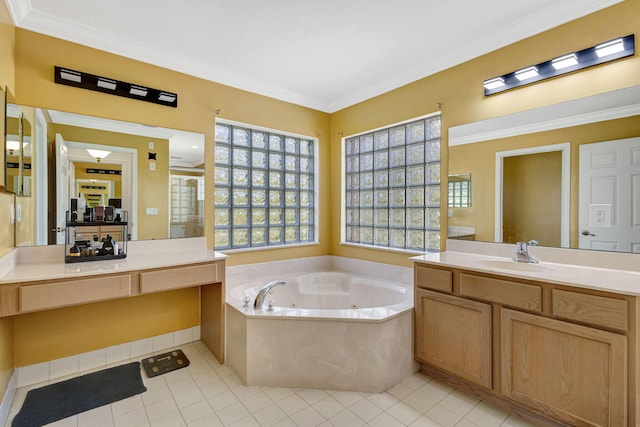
[597, 278]
[47, 262]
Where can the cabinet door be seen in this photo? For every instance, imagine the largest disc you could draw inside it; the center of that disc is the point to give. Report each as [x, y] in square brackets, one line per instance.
[454, 334]
[573, 373]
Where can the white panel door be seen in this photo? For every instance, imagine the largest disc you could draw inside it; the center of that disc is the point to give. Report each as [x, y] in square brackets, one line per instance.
[62, 187]
[609, 196]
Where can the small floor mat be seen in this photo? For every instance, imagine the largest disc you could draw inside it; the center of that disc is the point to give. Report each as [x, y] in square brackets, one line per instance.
[54, 402]
[165, 362]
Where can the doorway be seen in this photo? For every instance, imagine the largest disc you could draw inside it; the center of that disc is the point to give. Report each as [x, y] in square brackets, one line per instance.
[532, 195]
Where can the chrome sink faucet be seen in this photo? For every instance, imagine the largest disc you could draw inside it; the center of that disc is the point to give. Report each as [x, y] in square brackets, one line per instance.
[522, 254]
[262, 293]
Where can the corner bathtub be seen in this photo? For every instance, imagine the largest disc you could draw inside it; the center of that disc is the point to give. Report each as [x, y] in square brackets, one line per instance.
[328, 330]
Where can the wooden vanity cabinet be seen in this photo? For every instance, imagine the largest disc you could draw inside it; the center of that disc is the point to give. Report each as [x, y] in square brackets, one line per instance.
[455, 335]
[555, 354]
[572, 372]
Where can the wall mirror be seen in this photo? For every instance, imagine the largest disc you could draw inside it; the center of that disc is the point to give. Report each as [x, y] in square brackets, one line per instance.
[564, 175]
[156, 174]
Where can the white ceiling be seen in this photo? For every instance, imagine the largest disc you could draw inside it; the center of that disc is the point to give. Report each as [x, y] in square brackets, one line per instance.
[323, 54]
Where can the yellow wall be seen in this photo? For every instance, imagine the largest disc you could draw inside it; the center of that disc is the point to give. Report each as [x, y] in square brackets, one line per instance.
[53, 334]
[532, 198]
[461, 94]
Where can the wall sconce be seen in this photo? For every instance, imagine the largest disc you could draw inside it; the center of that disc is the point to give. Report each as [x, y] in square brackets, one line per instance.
[98, 154]
[68, 77]
[611, 50]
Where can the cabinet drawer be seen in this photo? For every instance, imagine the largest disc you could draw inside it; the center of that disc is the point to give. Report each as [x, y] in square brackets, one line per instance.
[513, 294]
[593, 309]
[432, 278]
[72, 292]
[175, 278]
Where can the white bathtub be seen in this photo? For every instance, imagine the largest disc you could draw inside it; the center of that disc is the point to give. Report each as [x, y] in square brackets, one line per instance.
[328, 330]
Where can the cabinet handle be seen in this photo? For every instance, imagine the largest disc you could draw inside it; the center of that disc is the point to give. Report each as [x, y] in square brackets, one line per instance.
[59, 229]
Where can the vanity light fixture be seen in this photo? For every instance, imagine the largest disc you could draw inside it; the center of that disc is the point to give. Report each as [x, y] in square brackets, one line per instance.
[609, 48]
[564, 61]
[608, 51]
[494, 83]
[98, 154]
[70, 75]
[138, 90]
[167, 97]
[107, 83]
[83, 80]
[527, 73]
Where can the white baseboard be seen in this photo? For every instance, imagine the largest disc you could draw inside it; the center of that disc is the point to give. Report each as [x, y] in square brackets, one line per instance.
[98, 359]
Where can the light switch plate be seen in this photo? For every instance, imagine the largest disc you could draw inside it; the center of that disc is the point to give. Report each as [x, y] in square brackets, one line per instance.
[151, 145]
[152, 211]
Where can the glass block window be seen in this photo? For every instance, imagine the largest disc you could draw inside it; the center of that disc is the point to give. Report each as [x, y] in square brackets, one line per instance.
[392, 186]
[459, 187]
[264, 188]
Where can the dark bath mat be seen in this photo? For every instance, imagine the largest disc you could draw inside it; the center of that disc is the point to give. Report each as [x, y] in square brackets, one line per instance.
[165, 362]
[54, 402]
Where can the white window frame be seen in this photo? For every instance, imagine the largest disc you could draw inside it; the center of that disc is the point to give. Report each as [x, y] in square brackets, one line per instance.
[343, 196]
[315, 189]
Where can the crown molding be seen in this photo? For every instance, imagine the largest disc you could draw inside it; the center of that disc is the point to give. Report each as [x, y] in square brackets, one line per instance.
[24, 16]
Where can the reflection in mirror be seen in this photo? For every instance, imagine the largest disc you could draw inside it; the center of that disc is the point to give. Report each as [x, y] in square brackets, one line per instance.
[156, 174]
[459, 190]
[17, 151]
[520, 191]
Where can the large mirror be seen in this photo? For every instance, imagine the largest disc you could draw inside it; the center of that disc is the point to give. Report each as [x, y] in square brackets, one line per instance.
[155, 174]
[565, 175]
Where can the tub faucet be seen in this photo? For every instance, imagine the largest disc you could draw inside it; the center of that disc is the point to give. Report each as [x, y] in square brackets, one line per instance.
[522, 254]
[262, 293]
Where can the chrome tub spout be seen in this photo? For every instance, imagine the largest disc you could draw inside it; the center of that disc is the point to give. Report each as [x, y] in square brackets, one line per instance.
[262, 293]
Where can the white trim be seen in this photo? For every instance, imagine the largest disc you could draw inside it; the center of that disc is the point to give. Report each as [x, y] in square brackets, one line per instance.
[316, 184]
[565, 149]
[596, 108]
[38, 169]
[343, 187]
[98, 359]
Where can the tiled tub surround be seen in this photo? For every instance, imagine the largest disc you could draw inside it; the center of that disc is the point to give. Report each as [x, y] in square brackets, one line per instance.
[322, 342]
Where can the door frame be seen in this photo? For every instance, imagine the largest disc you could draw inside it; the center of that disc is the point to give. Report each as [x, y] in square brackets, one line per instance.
[565, 149]
[129, 179]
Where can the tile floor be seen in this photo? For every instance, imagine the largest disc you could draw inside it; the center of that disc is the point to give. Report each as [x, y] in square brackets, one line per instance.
[207, 394]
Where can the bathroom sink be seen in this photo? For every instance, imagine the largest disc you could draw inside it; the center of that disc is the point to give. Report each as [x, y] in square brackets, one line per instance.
[515, 266]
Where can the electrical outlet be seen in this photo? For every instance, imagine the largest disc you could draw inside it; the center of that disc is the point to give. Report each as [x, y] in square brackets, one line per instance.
[152, 166]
